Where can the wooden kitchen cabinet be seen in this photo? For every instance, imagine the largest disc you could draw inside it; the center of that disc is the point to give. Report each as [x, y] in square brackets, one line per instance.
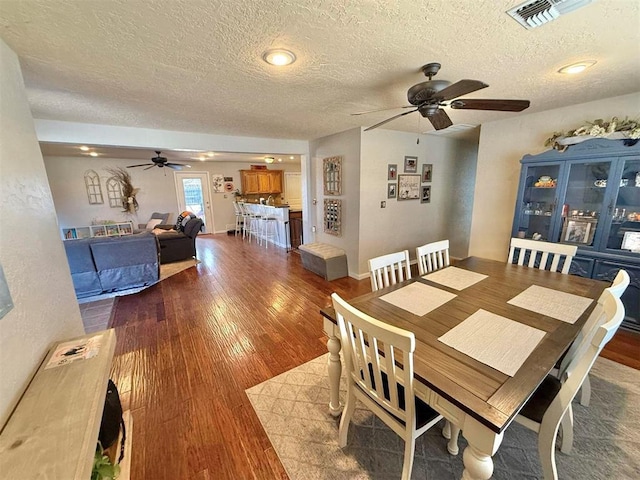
[261, 181]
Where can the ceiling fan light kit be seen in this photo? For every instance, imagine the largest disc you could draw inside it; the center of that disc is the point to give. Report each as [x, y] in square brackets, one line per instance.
[429, 97]
[161, 162]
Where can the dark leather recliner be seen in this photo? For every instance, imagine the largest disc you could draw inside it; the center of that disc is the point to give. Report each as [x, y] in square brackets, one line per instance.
[179, 245]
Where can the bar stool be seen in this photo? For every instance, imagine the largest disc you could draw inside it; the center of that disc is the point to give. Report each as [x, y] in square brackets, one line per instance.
[269, 224]
[239, 218]
[255, 222]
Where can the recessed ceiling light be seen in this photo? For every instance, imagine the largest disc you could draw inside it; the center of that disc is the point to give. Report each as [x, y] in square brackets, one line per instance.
[210, 154]
[93, 154]
[577, 67]
[279, 57]
[201, 158]
[291, 157]
[268, 159]
[84, 148]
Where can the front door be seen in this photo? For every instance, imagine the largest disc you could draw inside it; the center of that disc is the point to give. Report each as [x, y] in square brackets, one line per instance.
[192, 189]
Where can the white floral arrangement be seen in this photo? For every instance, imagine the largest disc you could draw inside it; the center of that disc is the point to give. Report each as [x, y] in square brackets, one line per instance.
[613, 129]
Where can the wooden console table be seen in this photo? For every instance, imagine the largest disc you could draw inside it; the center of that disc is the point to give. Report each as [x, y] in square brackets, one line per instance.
[53, 431]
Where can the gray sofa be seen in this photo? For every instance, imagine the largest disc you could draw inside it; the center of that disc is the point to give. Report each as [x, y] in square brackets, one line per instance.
[103, 265]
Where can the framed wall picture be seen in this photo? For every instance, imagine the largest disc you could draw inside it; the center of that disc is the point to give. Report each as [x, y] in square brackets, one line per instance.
[333, 216]
[408, 187]
[425, 194]
[410, 164]
[392, 172]
[579, 230]
[427, 170]
[392, 190]
[332, 175]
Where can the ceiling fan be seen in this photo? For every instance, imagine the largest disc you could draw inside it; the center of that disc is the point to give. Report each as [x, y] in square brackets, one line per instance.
[161, 162]
[428, 98]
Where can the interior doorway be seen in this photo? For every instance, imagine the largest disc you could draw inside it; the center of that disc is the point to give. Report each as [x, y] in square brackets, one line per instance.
[193, 193]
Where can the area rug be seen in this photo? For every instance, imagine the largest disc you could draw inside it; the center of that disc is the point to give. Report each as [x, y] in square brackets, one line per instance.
[292, 408]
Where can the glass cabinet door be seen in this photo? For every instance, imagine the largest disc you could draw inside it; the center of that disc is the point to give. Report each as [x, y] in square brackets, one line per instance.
[538, 202]
[624, 234]
[582, 212]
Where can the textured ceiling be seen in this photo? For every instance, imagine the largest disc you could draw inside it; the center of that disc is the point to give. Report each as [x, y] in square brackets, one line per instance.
[192, 65]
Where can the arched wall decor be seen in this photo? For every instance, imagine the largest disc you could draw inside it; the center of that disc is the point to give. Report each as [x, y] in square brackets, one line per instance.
[114, 192]
[94, 190]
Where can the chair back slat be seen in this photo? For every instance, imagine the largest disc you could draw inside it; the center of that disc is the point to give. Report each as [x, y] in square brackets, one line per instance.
[389, 269]
[371, 348]
[432, 256]
[560, 253]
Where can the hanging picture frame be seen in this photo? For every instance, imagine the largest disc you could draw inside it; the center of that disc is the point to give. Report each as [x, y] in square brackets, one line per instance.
[410, 164]
[392, 171]
[392, 190]
[427, 171]
[333, 216]
[332, 175]
[408, 187]
[425, 194]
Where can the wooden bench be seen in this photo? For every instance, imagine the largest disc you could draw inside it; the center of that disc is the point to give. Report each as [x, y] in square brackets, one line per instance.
[325, 260]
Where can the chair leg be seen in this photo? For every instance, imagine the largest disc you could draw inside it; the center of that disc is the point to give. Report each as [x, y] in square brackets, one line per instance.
[546, 449]
[409, 451]
[347, 413]
[454, 433]
[567, 431]
[585, 394]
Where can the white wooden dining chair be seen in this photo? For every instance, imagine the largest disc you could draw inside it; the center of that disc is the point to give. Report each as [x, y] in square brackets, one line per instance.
[617, 288]
[550, 404]
[372, 350]
[542, 253]
[433, 256]
[389, 269]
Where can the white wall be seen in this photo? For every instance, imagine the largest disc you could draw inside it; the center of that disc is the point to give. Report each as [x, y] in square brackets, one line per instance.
[406, 224]
[347, 145]
[503, 144]
[157, 190]
[31, 252]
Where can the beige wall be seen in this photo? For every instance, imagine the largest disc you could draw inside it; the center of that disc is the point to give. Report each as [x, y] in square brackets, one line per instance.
[31, 252]
[347, 145]
[157, 190]
[503, 144]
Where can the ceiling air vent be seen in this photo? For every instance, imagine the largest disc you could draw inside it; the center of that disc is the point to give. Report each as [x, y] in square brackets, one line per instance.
[538, 12]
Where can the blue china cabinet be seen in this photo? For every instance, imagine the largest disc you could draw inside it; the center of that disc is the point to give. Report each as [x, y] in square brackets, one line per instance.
[589, 196]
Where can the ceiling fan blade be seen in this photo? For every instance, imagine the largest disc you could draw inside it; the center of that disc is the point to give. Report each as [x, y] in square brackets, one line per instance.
[382, 110]
[489, 104]
[149, 167]
[179, 166]
[440, 120]
[141, 165]
[389, 119]
[459, 88]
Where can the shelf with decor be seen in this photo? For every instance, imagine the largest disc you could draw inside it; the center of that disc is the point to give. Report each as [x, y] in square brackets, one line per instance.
[102, 230]
[595, 205]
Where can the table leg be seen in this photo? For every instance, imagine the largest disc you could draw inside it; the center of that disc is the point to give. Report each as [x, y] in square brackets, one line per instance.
[335, 369]
[451, 433]
[483, 443]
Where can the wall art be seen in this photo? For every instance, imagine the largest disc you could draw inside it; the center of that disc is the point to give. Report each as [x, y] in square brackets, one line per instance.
[408, 187]
[392, 190]
[425, 194]
[392, 171]
[94, 190]
[333, 217]
[427, 170]
[410, 164]
[332, 175]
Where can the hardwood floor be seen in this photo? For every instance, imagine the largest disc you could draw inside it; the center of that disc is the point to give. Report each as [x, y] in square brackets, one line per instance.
[189, 346]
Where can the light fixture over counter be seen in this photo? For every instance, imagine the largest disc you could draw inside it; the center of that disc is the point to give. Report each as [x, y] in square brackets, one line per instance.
[269, 159]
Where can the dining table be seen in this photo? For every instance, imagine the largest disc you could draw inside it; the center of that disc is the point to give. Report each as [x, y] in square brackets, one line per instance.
[517, 320]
